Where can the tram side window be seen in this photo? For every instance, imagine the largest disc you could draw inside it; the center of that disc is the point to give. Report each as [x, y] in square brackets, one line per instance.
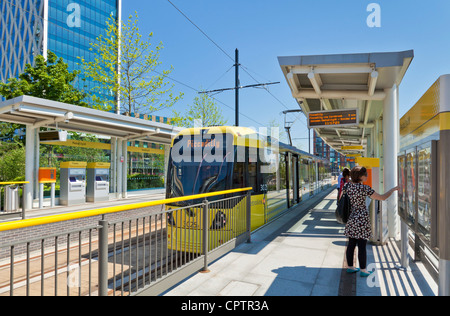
[252, 176]
[239, 175]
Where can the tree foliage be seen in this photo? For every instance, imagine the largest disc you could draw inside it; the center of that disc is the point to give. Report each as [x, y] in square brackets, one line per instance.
[134, 77]
[12, 162]
[203, 112]
[48, 79]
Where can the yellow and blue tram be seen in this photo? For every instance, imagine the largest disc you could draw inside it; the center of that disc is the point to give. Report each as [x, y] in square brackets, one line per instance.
[219, 158]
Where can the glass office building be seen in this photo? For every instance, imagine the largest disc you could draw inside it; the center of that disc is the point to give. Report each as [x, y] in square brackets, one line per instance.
[66, 27]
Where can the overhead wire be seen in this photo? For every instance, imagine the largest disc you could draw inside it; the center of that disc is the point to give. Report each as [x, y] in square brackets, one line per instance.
[226, 54]
[215, 99]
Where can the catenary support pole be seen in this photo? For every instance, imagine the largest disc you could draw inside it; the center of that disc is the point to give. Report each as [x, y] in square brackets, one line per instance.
[236, 90]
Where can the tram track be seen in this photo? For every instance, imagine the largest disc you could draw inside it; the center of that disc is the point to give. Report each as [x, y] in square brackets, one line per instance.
[137, 254]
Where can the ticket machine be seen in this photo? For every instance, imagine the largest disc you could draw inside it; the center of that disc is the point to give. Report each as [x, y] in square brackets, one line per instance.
[72, 182]
[97, 181]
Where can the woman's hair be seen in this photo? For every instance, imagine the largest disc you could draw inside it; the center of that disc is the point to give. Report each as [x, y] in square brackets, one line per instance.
[357, 173]
[346, 172]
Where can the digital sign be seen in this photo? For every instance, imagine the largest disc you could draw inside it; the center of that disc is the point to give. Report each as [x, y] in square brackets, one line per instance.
[333, 118]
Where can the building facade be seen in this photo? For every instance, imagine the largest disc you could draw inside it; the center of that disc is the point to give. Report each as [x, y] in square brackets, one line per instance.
[66, 27]
[323, 150]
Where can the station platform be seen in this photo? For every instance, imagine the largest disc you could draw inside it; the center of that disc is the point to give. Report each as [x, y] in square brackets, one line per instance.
[303, 254]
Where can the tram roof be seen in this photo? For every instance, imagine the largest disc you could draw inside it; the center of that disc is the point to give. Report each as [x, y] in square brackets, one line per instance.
[294, 150]
[39, 112]
[345, 81]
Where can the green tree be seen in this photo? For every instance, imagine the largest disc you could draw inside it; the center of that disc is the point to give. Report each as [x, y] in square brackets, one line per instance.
[130, 77]
[12, 163]
[203, 112]
[48, 79]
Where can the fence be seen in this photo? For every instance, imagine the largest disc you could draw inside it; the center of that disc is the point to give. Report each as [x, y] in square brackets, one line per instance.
[142, 255]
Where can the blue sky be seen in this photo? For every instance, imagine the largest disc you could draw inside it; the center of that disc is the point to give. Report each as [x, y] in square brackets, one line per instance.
[262, 30]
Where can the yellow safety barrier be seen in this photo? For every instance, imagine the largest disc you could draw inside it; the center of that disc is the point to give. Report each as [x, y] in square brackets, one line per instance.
[17, 182]
[107, 210]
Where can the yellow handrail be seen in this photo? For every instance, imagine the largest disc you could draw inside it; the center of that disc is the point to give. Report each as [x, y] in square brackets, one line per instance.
[16, 182]
[107, 210]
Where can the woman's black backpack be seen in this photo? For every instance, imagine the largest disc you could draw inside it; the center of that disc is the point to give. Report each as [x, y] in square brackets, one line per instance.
[343, 208]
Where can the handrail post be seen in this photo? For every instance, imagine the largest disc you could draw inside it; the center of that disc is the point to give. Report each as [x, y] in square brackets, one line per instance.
[103, 258]
[249, 216]
[205, 236]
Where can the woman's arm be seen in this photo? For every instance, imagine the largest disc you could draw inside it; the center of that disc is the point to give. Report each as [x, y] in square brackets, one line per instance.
[383, 197]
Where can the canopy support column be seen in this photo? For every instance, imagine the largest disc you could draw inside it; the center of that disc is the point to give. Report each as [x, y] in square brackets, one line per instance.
[30, 156]
[390, 146]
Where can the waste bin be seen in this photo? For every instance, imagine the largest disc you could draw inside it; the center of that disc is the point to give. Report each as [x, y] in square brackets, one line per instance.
[11, 198]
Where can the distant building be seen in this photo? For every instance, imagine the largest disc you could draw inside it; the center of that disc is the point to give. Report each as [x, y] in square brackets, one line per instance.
[66, 27]
[321, 149]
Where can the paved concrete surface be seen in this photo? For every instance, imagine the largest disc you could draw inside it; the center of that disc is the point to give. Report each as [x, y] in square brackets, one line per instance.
[302, 253]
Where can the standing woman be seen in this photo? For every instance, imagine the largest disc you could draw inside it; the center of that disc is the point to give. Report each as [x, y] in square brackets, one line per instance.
[358, 228]
[345, 178]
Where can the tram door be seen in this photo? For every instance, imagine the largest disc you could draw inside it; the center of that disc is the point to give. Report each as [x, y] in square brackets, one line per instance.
[295, 179]
[312, 177]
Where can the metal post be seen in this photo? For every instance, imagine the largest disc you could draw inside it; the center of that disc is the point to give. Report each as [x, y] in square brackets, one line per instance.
[103, 258]
[205, 236]
[52, 195]
[444, 277]
[249, 217]
[404, 261]
[41, 195]
[237, 86]
[24, 201]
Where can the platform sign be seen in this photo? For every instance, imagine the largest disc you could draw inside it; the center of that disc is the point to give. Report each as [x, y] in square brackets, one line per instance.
[332, 118]
[352, 148]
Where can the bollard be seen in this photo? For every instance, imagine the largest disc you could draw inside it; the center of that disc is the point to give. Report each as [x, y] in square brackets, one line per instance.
[41, 195]
[404, 259]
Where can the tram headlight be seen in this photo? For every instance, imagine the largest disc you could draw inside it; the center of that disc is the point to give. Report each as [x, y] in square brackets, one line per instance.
[170, 219]
[219, 221]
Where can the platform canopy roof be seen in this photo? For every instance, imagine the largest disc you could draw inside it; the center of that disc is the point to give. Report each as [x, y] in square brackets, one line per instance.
[39, 112]
[345, 81]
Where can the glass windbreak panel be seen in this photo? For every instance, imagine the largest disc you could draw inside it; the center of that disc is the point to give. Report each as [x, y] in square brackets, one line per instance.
[402, 186]
[411, 178]
[424, 192]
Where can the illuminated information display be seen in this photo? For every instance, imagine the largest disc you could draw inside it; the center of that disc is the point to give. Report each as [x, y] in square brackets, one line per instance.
[333, 118]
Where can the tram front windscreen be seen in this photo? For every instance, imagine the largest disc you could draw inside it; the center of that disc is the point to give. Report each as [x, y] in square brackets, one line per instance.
[201, 167]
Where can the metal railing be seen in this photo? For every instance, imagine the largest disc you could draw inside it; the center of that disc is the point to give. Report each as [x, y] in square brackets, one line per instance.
[141, 255]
